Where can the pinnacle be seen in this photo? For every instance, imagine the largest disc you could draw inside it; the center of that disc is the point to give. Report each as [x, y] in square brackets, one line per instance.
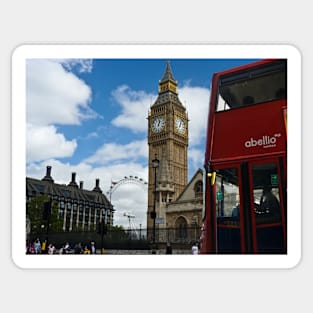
[168, 75]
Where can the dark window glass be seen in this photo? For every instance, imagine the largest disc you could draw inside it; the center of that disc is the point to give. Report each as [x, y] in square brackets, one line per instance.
[267, 208]
[258, 85]
[228, 211]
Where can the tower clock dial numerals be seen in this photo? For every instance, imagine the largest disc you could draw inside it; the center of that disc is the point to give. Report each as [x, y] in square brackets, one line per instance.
[180, 125]
[158, 124]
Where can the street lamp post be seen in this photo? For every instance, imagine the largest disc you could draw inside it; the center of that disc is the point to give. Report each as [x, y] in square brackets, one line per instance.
[102, 232]
[46, 216]
[102, 229]
[155, 165]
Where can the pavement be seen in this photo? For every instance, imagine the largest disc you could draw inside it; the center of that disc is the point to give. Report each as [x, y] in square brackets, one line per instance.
[134, 252]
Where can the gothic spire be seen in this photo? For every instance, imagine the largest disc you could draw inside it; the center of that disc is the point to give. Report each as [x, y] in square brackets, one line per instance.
[168, 75]
[168, 85]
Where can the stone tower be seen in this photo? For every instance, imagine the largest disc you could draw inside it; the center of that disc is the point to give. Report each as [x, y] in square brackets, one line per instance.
[168, 141]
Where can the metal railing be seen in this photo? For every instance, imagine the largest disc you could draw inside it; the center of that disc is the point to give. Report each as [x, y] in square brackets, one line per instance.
[125, 239]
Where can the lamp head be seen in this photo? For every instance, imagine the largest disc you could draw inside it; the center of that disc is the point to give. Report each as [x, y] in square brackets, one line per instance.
[155, 162]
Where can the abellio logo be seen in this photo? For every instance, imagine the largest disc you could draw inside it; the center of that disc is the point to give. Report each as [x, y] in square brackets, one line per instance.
[265, 141]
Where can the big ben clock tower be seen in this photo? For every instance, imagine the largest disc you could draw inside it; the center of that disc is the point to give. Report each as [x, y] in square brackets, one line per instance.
[168, 142]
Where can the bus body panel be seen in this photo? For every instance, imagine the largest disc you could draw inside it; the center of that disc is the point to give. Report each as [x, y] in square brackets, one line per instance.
[251, 131]
[250, 139]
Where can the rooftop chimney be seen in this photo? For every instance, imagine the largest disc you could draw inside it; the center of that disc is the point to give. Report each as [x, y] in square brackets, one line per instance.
[81, 184]
[73, 182]
[48, 175]
[97, 188]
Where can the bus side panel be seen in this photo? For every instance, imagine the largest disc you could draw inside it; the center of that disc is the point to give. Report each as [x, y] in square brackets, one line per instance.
[249, 131]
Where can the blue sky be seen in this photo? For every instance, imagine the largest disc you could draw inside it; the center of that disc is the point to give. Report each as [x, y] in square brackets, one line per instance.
[89, 116]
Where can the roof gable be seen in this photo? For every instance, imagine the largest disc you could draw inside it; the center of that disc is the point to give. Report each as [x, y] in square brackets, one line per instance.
[188, 193]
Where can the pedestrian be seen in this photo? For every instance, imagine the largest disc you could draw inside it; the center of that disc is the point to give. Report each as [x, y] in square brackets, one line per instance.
[30, 248]
[86, 250]
[51, 249]
[37, 246]
[62, 250]
[78, 248]
[44, 247]
[168, 248]
[67, 247]
[194, 248]
[92, 248]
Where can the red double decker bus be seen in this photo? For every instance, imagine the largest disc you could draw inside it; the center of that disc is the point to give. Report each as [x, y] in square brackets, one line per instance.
[245, 205]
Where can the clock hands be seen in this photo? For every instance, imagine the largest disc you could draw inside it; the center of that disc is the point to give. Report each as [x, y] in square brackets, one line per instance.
[180, 125]
[158, 124]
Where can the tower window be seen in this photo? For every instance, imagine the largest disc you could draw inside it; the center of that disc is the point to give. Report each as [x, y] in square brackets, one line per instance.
[198, 188]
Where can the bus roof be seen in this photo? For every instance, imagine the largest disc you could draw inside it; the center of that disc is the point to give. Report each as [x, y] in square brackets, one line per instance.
[245, 67]
[235, 123]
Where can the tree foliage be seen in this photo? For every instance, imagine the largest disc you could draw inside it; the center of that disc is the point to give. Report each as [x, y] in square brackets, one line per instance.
[35, 213]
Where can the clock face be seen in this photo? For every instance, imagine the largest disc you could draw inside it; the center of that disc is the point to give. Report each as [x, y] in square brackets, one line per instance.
[158, 124]
[180, 125]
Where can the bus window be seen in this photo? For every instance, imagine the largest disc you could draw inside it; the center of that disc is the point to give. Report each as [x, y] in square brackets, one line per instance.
[266, 193]
[228, 211]
[227, 193]
[267, 208]
[252, 87]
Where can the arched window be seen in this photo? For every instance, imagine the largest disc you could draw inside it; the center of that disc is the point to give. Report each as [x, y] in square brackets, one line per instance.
[181, 229]
[198, 188]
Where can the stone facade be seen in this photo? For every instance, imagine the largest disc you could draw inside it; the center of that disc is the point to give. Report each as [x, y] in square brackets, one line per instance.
[176, 202]
[80, 209]
[168, 142]
[187, 209]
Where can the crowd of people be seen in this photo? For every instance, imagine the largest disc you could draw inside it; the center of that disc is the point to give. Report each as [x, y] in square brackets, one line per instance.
[38, 247]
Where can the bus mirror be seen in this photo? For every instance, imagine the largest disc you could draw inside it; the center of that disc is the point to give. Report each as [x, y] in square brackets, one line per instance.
[213, 178]
[212, 175]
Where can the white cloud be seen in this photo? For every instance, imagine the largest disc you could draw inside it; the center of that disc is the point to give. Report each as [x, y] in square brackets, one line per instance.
[195, 159]
[44, 142]
[112, 152]
[196, 100]
[135, 106]
[54, 95]
[131, 199]
[82, 65]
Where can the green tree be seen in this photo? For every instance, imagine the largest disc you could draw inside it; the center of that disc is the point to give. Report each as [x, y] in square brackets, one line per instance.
[56, 223]
[35, 213]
